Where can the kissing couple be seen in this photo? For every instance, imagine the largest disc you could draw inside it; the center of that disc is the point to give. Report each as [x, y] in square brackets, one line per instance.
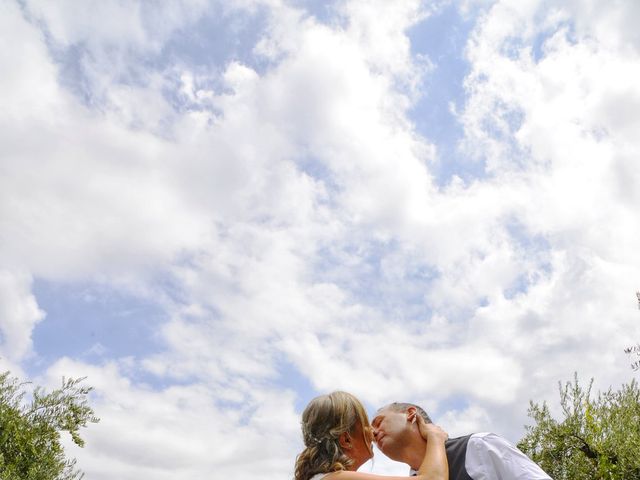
[338, 440]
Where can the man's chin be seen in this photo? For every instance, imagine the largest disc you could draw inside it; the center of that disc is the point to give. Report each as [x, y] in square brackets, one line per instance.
[380, 443]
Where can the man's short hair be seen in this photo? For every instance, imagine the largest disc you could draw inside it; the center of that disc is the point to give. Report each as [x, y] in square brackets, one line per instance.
[401, 407]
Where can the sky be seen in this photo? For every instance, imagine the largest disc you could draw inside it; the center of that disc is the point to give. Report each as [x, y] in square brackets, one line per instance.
[216, 211]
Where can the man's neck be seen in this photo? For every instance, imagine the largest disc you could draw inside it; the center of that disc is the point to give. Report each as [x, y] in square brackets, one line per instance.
[414, 453]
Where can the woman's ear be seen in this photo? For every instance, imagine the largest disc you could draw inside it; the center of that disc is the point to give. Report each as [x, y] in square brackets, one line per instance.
[345, 441]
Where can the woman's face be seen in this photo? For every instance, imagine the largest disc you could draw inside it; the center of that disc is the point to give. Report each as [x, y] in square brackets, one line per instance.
[361, 449]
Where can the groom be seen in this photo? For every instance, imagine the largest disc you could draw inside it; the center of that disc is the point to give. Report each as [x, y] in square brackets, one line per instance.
[480, 456]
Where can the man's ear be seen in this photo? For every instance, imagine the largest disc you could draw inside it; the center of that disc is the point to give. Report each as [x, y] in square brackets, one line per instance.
[345, 441]
[412, 413]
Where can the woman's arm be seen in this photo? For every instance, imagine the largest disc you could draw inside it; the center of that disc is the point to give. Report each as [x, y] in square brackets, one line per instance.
[435, 465]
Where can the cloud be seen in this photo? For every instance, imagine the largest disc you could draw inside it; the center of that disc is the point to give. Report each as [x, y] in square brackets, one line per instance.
[179, 431]
[71, 178]
[19, 313]
[123, 25]
[537, 121]
[283, 212]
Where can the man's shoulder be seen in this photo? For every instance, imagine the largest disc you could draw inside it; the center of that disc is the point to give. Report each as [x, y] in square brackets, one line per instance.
[478, 437]
[490, 440]
[479, 443]
[483, 435]
[457, 443]
[490, 455]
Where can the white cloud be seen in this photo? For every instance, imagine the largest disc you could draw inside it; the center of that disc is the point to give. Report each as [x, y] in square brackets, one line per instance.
[461, 422]
[180, 431]
[19, 313]
[540, 124]
[32, 84]
[81, 194]
[292, 210]
[117, 23]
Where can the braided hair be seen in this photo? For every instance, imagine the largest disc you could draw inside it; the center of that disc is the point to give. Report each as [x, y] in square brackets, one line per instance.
[323, 421]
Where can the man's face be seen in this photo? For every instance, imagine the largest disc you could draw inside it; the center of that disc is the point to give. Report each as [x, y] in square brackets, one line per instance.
[392, 433]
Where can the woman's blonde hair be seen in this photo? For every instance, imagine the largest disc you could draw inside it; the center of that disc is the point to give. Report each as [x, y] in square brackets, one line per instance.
[323, 421]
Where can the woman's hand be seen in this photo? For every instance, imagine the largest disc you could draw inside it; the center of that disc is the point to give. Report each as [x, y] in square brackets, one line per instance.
[430, 431]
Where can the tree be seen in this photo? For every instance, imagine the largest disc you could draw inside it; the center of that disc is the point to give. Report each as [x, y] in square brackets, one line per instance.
[30, 447]
[599, 438]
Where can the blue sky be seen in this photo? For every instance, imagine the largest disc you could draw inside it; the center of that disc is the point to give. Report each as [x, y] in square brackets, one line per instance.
[217, 210]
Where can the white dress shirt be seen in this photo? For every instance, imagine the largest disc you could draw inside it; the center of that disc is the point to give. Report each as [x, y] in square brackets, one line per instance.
[491, 457]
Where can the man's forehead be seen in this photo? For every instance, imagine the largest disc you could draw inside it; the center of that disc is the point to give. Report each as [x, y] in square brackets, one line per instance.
[381, 412]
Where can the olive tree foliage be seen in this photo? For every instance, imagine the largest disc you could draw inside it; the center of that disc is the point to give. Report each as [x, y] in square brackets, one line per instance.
[30, 427]
[598, 438]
